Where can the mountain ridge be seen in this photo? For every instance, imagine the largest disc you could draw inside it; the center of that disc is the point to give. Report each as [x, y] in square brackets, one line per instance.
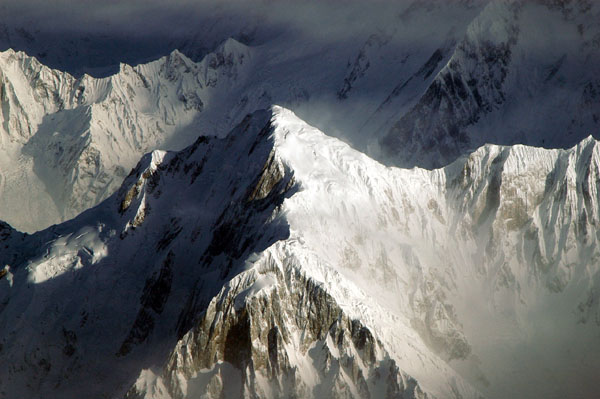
[288, 216]
[76, 140]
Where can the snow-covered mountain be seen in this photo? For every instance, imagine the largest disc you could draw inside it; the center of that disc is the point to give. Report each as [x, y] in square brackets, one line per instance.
[524, 73]
[72, 141]
[203, 215]
[249, 254]
[278, 261]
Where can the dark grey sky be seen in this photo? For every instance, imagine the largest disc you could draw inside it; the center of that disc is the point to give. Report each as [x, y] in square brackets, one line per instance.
[177, 16]
[136, 30]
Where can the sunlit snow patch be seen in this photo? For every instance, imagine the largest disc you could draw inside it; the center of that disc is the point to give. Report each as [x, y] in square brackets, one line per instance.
[69, 253]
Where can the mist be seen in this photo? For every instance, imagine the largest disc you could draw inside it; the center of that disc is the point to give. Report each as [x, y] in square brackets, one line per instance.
[134, 31]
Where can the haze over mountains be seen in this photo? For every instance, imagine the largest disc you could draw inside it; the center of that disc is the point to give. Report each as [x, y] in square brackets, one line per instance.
[325, 208]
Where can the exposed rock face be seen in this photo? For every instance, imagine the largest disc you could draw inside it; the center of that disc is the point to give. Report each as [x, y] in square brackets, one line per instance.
[471, 215]
[279, 262]
[290, 339]
[173, 266]
[554, 198]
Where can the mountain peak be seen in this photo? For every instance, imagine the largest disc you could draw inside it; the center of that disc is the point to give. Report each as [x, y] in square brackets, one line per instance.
[231, 45]
[229, 228]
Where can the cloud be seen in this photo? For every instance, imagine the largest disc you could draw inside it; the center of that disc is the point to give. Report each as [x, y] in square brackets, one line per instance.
[132, 31]
[179, 17]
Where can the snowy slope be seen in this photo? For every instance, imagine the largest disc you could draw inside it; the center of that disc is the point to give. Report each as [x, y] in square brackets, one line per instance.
[525, 72]
[73, 140]
[188, 279]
